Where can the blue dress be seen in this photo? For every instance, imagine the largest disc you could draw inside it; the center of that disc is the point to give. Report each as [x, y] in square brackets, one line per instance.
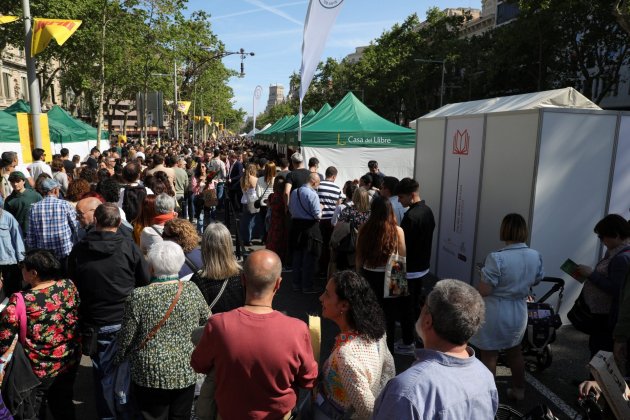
[511, 271]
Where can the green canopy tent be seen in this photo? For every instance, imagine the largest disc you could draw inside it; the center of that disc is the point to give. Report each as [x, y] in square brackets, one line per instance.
[291, 136]
[264, 135]
[294, 124]
[351, 134]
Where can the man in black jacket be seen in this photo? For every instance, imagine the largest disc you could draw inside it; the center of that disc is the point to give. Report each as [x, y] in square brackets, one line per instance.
[418, 225]
[106, 268]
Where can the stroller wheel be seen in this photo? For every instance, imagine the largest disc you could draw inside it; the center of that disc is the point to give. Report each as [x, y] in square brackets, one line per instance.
[544, 359]
[505, 412]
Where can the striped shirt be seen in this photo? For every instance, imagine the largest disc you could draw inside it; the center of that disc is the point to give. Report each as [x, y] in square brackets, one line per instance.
[329, 195]
[52, 225]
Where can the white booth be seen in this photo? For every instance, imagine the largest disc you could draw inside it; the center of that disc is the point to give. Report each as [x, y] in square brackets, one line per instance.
[554, 157]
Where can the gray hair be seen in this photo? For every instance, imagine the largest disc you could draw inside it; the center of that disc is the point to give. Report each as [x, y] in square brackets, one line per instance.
[457, 310]
[166, 258]
[217, 253]
[164, 204]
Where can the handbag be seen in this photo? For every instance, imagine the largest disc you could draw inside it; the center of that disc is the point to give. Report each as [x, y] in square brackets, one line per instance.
[581, 316]
[396, 284]
[257, 203]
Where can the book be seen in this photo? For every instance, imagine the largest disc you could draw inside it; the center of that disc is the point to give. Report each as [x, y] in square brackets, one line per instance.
[571, 268]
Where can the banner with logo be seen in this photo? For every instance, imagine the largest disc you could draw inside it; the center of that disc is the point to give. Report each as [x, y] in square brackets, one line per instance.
[44, 30]
[320, 18]
[183, 106]
[460, 195]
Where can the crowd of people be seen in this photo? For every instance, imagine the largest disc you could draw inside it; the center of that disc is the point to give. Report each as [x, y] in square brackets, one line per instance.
[121, 257]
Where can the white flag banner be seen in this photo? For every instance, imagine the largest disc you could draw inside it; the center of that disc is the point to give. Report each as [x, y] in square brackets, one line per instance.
[320, 18]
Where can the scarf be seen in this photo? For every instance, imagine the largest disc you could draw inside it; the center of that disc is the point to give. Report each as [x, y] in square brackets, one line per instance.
[161, 219]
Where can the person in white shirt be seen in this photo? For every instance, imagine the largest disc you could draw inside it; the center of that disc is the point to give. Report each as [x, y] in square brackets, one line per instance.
[39, 166]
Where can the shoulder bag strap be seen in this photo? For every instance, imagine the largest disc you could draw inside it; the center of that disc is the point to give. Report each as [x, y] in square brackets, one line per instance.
[216, 299]
[20, 308]
[190, 264]
[302, 205]
[163, 320]
[156, 231]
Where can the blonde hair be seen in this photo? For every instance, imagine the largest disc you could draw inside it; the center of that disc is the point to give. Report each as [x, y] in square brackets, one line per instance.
[361, 200]
[251, 170]
[217, 253]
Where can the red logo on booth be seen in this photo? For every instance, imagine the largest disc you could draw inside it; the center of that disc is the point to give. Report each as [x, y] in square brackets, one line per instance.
[461, 141]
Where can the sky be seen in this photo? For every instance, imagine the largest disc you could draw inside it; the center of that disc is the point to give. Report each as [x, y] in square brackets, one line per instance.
[272, 29]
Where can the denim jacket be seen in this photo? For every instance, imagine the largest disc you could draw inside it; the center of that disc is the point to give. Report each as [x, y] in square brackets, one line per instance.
[11, 243]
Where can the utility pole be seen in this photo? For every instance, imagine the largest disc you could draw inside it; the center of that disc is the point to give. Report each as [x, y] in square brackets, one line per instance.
[33, 83]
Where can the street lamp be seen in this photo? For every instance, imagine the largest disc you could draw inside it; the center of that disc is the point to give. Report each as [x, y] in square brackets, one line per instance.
[423, 60]
[257, 94]
[222, 54]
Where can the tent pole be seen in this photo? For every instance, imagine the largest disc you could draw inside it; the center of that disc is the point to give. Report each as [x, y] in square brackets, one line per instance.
[300, 127]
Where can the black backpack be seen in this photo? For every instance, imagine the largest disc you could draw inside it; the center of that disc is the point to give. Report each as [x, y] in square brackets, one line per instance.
[133, 196]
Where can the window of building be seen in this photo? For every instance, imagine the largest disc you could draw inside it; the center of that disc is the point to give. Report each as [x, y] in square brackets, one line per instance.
[24, 93]
[506, 12]
[6, 85]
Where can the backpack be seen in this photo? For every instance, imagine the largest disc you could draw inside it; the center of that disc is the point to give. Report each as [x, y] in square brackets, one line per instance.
[133, 196]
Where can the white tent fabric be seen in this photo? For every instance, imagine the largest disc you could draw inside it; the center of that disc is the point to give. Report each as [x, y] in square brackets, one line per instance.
[256, 130]
[352, 163]
[558, 98]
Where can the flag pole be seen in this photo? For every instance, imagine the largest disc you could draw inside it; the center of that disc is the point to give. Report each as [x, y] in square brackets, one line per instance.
[33, 85]
[300, 127]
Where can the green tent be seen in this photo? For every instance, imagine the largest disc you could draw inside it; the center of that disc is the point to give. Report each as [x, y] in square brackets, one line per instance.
[350, 135]
[265, 134]
[8, 128]
[293, 125]
[291, 136]
[80, 130]
[352, 124]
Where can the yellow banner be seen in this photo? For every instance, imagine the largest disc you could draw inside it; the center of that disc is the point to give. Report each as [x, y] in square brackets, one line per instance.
[8, 19]
[25, 129]
[207, 120]
[45, 30]
[183, 106]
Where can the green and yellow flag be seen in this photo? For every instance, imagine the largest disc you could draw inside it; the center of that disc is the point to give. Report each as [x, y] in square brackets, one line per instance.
[8, 19]
[44, 30]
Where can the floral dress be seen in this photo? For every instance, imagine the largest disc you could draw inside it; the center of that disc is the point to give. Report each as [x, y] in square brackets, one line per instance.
[53, 341]
[278, 235]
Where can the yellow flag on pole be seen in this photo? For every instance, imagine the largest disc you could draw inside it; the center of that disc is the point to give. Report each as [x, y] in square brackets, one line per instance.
[46, 29]
[8, 19]
[183, 106]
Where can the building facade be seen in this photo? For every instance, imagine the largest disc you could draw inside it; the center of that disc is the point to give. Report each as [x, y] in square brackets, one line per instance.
[276, 96]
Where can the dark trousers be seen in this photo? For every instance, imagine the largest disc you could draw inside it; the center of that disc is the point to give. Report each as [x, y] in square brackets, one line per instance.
[392, 307]
[326, 228]
[418, 290]
[304, 267]
[56, 394]
[602, 339]
[164, 404]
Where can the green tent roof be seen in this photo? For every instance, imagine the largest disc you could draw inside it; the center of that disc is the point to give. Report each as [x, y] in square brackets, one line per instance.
[63, 128]
[280, 135]
[265, 133]
[291, 136]
[352, 124]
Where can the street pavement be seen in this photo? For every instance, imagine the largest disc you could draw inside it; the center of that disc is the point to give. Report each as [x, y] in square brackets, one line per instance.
[554, 386]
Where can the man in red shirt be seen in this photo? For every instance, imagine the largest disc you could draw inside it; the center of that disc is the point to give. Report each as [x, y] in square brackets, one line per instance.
[260, 356]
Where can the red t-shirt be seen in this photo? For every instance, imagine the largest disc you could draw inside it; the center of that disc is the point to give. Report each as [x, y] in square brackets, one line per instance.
[259, 361]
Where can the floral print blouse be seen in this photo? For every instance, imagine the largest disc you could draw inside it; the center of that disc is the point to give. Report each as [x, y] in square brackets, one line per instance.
[164, 362]
[354, 217]
[53, 340]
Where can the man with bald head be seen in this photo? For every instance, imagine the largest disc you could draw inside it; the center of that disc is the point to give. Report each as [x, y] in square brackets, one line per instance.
[85, 215]
[256, 351]
[105, 267]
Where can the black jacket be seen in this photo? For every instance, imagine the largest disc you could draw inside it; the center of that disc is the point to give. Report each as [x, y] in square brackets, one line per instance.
[418, 225]
[105, 267]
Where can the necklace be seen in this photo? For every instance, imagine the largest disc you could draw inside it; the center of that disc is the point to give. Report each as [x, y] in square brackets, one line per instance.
[260, 306]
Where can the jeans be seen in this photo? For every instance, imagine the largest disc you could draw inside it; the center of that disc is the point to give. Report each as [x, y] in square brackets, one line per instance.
[304, 266]
[247, 224]
[100, 366]
[220, 189]
[188, 207]
[181, 202]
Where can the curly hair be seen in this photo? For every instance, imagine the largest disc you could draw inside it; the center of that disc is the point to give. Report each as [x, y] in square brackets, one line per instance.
[381, 224]
[76, 189]
[87, 173]
[109, 188]
[365, 315]
[183, 233]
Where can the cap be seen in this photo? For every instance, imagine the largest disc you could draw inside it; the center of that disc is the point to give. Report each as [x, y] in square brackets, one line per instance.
[17, 175]
[49, 185]
[297, 157]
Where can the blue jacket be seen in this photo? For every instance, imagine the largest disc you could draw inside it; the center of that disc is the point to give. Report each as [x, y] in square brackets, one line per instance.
[11, 243]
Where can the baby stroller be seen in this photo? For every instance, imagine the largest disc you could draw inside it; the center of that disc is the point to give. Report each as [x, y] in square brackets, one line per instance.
[542, 322]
